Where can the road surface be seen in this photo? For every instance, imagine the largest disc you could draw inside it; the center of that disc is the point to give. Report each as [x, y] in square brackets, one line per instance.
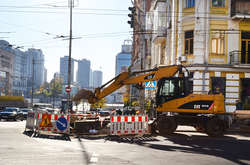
[184, 147]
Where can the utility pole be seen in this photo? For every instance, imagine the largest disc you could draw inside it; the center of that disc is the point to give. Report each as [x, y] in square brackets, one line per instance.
[32, 85]
[70, 45]
[54, 91]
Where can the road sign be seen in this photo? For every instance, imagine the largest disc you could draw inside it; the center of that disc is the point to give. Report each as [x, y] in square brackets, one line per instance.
[46, 121]
[150, 84]
[61, 124]
[67, 89]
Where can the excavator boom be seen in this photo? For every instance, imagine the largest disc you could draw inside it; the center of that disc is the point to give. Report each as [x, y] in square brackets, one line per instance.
[127, 78]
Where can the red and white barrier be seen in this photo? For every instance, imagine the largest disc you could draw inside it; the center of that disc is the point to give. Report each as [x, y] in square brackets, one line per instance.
[128, 125]
[55, 123]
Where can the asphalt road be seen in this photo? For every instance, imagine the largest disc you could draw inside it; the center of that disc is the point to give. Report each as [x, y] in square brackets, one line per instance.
[184, 147]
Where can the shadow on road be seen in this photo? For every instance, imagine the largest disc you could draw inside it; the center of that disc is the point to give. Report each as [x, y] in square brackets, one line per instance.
[86, 157]
[225, 147]
[47, 136]
[92, 137]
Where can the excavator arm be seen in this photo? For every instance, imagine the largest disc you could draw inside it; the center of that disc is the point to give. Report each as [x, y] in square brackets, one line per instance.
[127, 78]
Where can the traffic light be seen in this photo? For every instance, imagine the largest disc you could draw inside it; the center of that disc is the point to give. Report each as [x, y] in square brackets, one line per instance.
[132, 16]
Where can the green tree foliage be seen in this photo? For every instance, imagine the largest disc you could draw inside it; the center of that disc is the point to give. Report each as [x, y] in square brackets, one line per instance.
[44, 90]
[56, 86]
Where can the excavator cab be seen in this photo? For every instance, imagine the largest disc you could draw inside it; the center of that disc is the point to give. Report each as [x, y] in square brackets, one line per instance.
[171, 88]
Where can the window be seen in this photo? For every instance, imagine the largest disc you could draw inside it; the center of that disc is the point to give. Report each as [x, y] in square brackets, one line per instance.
[189, 3]
[189, 42]
[218, 43]
[218, 3]
[169, 89]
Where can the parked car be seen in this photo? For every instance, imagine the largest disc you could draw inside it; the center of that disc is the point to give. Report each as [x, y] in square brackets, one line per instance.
[11, 113]
[25, 112]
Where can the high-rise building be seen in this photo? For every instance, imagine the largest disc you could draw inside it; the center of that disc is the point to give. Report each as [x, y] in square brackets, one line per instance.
[35, 60]
[45, 75]
[64, 69]
[57, 75]
[83, 73]
[91, 79]
[123, 59]
[21, 65]
[97, 78]
[20, 77]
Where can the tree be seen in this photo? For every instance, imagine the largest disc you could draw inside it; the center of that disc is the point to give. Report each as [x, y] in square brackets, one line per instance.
[44, 92]
[56, 88]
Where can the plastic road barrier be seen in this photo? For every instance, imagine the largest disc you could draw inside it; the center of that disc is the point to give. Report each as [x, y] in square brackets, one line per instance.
[128, 125]
[54, 123]
[30, 122]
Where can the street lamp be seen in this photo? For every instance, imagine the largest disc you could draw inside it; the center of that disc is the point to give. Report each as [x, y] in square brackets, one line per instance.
[70, 46]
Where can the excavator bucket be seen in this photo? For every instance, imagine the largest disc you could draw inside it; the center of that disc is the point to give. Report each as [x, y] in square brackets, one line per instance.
[84, 94]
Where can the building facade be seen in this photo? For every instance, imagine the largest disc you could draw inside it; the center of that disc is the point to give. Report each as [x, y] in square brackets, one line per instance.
[123, 59]
[97, 78]
[6, 72]
[21, 65]
[64, 69]
[35, 62]
[45, 75]
[83, 73]
[18, 76]
[211, 38]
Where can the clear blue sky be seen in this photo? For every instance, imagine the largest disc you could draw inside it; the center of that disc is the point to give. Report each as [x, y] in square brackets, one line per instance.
[37, 23]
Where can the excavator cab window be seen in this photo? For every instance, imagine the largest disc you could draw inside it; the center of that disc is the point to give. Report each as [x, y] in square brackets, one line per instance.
[169, 89]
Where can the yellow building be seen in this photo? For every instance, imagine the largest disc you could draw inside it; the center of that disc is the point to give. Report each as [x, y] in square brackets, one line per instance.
[210, 37]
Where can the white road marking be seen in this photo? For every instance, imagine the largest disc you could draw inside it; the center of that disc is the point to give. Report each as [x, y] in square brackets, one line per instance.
[94, 159]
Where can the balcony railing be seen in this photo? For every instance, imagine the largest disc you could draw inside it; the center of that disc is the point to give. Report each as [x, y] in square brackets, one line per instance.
[240, 9]
[239, 57]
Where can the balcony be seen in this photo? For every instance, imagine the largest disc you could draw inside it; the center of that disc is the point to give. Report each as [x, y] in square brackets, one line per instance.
[239, 57]
[240, 9]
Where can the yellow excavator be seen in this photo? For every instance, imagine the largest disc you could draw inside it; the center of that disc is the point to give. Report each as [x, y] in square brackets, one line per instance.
[175, 102]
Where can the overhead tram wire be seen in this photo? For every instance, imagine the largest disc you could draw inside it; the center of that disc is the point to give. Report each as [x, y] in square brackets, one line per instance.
[61, 12]
[118, 34]
[106, 14]
[26, 27]
[99, 9]
[63, 8]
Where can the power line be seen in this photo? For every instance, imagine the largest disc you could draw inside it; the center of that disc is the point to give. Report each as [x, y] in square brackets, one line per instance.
[63, 8]
[32, 29]
[100, 9]
[104, 9]
[111, 14]
[60, 12]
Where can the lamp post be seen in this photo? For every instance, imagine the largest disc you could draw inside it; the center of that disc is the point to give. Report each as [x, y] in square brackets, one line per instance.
[70, 45]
